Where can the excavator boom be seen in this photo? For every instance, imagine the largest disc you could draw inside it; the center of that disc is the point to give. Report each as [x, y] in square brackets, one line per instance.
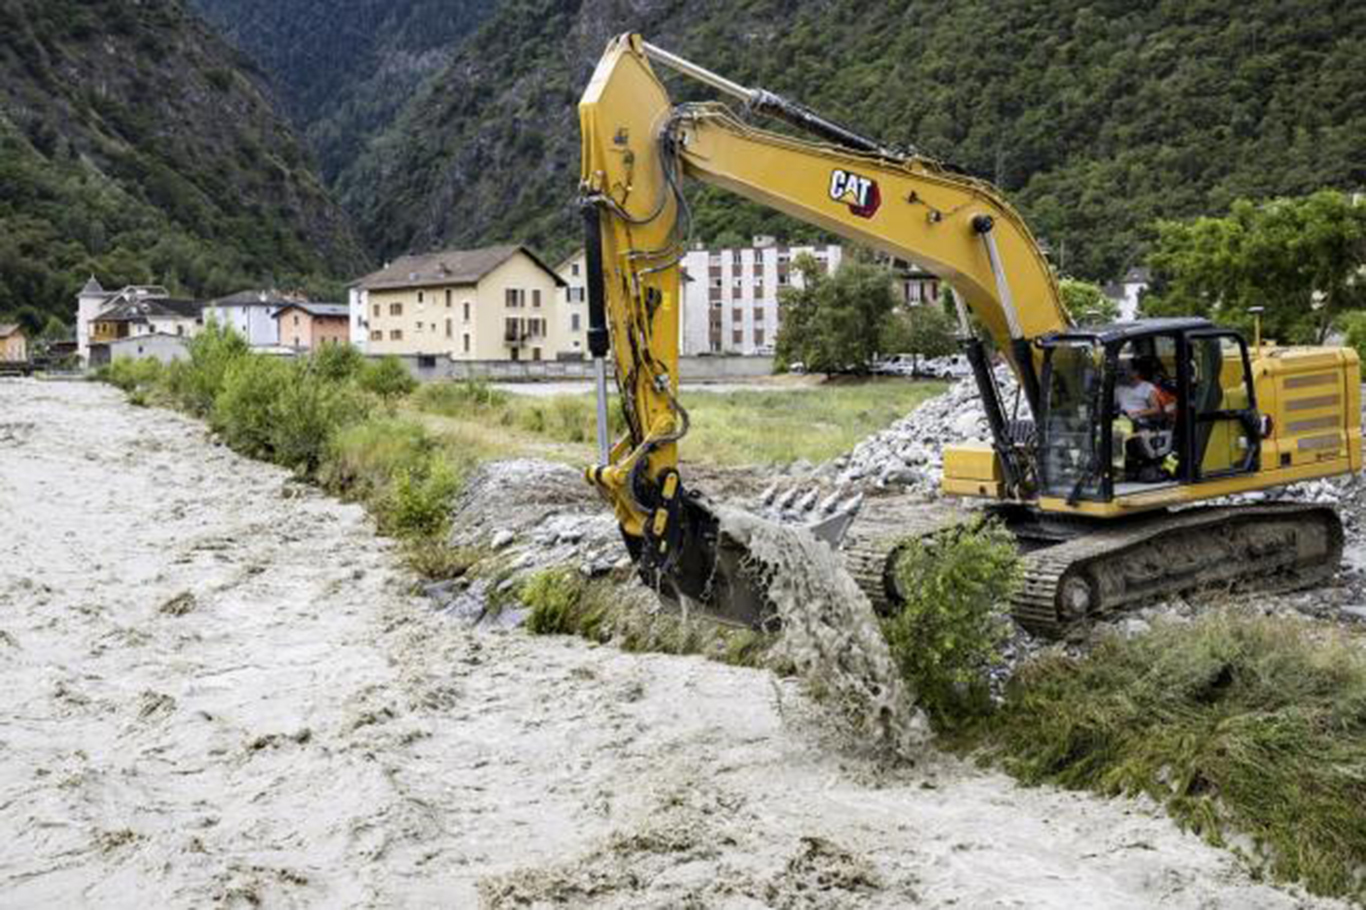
[637, 149]
[1075, 456]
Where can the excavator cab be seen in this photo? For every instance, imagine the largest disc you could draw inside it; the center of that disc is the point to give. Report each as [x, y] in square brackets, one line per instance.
[1136, 408]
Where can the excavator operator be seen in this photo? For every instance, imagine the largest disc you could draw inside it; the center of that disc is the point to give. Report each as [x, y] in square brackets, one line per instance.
[1135, 396]
[1145, 418]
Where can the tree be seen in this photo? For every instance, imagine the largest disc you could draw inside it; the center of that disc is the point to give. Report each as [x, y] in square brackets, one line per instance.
[1301, 259]
[388, 378]
[1087, 302]
[924, 331]
[835, 324]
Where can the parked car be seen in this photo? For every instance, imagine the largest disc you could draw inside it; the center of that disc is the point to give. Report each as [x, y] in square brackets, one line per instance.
[895, 365]
[945, 367]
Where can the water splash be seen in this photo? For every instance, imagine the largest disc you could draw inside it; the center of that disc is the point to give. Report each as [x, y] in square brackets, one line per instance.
[831, 634]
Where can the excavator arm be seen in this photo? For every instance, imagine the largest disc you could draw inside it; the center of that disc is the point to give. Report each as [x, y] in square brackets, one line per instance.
[637, 150]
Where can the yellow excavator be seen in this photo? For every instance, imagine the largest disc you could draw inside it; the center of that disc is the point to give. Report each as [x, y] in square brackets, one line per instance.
[1132, 430]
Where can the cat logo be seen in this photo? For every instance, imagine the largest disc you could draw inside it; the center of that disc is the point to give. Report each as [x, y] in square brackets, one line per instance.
[859, 193]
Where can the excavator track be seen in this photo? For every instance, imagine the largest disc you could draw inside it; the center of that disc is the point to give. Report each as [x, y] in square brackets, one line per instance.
[1268, 548]
[1098, 570]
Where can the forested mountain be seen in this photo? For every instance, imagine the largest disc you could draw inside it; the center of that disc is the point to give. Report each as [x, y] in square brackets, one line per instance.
[133, 146]
[344, 68]
[1096, 117]
[137, 144]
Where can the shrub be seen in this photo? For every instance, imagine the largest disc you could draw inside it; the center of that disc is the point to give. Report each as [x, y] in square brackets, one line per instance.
[337, 362]
[133, 375]
[308, 412]
[947, 633]
[387, 378]
[420, 505]
[404, 476]
[436, 559]
[362, 460]
[212, 352]
[553, 595]
[244, 411]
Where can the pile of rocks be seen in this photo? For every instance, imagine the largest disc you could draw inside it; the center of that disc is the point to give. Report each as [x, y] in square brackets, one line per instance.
[910, 453]
[524, 516]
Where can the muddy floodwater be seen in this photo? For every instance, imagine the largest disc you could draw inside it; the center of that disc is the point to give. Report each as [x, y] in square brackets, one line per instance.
[218, 689]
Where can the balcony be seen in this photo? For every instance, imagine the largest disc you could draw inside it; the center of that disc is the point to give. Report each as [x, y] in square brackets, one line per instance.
[515, 337]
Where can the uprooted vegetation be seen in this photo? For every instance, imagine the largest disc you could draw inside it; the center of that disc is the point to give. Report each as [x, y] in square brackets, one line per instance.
[563, 602]
[1250, 730]
[948, 632]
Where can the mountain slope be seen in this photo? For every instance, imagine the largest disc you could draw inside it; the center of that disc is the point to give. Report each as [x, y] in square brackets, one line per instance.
[344, 68]
[133, 146]
[1096, 118]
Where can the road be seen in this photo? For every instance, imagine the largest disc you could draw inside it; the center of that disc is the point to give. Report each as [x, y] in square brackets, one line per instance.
[219, 689]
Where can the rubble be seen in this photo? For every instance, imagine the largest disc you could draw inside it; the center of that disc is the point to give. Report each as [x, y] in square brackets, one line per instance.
[529, 515]
[910, 453]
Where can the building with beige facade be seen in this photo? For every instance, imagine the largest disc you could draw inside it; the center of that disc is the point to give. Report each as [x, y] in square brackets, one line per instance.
[494, 303]
[13, 343]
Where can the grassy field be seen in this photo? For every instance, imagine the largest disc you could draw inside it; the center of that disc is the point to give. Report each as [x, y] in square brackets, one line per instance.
[779, 427]
[738, 427]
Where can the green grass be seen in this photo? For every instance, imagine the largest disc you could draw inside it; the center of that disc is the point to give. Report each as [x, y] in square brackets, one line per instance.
[728, 428]
[782, 426]
[563, 602]
[1235, 723]
[554, 418]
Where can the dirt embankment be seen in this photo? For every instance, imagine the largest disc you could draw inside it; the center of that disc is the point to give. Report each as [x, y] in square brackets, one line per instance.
[218, 689]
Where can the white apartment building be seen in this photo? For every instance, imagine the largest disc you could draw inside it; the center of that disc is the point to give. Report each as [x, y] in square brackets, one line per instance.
[357, 305]
[730, 296]
[251, 314]
[574, 295]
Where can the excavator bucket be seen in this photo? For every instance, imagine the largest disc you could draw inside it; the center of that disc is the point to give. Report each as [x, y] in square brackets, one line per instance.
[713, 572]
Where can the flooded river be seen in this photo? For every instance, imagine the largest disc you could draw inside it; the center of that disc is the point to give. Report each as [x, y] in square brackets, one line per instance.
[218, 689]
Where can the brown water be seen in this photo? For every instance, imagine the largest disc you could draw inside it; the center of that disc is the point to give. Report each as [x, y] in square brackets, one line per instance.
[832, 636]
[219, 691]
